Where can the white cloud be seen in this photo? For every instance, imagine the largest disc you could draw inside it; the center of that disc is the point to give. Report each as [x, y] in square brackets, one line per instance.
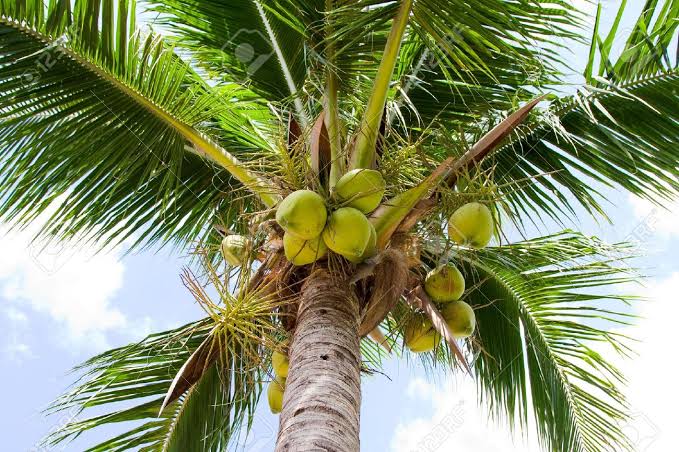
[15, 316]
[652, 374]
[655, 220]
[17, 352]
[72, 285]
[454, 421]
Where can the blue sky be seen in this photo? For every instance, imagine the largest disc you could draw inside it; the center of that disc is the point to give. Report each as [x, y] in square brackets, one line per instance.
[61, 306]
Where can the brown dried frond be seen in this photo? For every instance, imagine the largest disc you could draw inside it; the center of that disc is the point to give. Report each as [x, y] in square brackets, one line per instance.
[387, 286]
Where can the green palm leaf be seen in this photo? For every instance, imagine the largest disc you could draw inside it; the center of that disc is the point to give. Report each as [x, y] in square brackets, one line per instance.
[597, 135]
[206, 416]
[617, 131]
[262, 43]
[468, 61]
[534, 300]
[135, 373]
[106, 126]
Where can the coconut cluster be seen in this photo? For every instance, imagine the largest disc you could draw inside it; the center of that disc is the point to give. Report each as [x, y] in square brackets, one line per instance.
[310, 231]
[276, 388]
[471, 225]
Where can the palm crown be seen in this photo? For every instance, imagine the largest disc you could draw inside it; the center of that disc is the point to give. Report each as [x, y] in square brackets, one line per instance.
[185, 137]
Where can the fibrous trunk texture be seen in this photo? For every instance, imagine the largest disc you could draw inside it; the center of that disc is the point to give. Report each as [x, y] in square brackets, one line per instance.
[322, 401]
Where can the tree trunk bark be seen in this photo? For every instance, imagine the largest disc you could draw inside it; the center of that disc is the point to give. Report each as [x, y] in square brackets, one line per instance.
[322, 401]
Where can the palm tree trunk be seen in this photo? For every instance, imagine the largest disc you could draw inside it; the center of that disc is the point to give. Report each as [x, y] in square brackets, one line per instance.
[321, 406]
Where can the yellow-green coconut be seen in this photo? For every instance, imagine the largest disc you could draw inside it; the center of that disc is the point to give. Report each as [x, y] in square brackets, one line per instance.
[362, 189]
[275, 395]
[471, 224]
[302, 252]
[370, 248]
[460, 318]
[280, 363]
[235, 249]
[347, 232]
[303, 214]
[444, 283]
[420, 335]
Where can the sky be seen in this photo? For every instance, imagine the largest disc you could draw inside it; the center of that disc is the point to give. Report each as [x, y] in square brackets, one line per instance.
[63, 304]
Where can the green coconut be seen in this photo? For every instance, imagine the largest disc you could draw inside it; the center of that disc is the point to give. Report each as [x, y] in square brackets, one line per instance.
[471, 224]
[280, 363]
[275, 395]
[362, 189]
[370, 248]
[420, 335]
[302, 252]
[303, 214]
[444, 284]
[347, 232]
[460, 318]
[235, 249]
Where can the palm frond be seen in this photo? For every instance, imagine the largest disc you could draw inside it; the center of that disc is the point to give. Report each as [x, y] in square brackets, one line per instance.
[207, 415]
[103, 118]
[551, 301]
[458, 67]
[623, 136]
[261, 43]
[129, 374]
[619, 131]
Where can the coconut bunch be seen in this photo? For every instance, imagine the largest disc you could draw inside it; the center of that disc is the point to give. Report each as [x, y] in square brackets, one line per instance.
[313, 225]
[470, 225]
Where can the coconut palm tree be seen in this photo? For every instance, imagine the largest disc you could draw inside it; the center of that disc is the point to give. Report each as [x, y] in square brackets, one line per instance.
[184, 136]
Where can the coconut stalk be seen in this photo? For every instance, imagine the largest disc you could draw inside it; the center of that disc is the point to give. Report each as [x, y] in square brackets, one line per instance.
[473, 156]
[209, 351]
[363, 154]
[389, 215]
[332, 121]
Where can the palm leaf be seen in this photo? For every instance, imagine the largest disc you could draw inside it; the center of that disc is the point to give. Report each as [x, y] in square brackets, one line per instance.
[620, 131]
[106, 127]
[541, 299]
[204, 416]
[221, 35]
[622, 136]
[129, 374]
[479, 62]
